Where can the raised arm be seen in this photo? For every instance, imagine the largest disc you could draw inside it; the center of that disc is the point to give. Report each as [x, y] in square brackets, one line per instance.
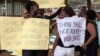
[53, 15]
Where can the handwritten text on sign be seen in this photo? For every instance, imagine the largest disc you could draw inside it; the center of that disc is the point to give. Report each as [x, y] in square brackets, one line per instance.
[20, 33]
[72, 30]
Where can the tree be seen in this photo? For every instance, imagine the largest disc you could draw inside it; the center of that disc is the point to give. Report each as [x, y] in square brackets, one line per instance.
[75, 2]
[96, 0]
[89, 4]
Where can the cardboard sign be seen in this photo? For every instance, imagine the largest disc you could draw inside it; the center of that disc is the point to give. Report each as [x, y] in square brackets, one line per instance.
[19, 33]
[72, 30]
[50, 3]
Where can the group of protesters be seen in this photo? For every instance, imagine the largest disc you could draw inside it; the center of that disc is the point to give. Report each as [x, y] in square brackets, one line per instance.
[89, 48]
[91, 44]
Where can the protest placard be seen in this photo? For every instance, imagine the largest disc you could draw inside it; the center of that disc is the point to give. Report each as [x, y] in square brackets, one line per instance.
[50, 3]
[19, 33]
[72, 30]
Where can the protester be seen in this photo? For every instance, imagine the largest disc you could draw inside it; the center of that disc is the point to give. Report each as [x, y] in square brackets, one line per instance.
[59, 49]
[90, 47]
[98, 16]
[82, 11]
[98, 26]
[3, 9]
[31, 11]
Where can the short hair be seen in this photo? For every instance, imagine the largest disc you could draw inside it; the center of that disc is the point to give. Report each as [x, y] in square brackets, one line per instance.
[91, 14]
[29, 4]
[68, 10]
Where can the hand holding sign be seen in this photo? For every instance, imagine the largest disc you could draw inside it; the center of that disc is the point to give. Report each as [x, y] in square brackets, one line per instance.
[20, 33]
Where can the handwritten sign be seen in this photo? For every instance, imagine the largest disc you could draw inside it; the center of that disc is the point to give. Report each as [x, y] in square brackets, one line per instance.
[72, 30]
[98, 27]
[20, 33]
[50, 3]
[19, 52]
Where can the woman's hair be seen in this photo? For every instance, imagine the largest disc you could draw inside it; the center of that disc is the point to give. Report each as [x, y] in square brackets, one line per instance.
[69, 11]
[29, 4]
[91, 14]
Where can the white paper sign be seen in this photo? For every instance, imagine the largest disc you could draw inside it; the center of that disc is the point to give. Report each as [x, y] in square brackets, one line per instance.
[72, 30]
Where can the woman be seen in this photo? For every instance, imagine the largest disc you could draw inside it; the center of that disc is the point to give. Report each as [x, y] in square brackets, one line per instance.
[31, 11]
[90, 47]
[98, 16]
[82, 12]
[59, 49]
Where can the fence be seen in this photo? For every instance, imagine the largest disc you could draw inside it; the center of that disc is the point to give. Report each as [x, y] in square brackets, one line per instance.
[13, 7]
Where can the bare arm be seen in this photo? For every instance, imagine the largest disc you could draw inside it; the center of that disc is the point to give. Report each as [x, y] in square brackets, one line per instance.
[55, 44]
[54, 15]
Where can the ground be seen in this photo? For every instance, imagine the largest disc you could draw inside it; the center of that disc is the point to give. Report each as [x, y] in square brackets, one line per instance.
[50, 54]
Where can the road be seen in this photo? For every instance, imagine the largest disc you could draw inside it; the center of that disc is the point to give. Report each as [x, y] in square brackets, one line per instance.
[76, 53]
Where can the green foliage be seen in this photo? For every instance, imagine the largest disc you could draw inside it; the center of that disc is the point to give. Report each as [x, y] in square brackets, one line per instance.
[96, 0]
[69, 2]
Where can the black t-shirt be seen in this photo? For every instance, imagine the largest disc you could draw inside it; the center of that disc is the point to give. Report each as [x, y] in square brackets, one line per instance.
[87, 34]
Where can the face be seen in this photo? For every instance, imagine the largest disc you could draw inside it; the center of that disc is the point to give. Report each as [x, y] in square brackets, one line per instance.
[62, 14]
[35, 8]
[98, 16]
[83, 9]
